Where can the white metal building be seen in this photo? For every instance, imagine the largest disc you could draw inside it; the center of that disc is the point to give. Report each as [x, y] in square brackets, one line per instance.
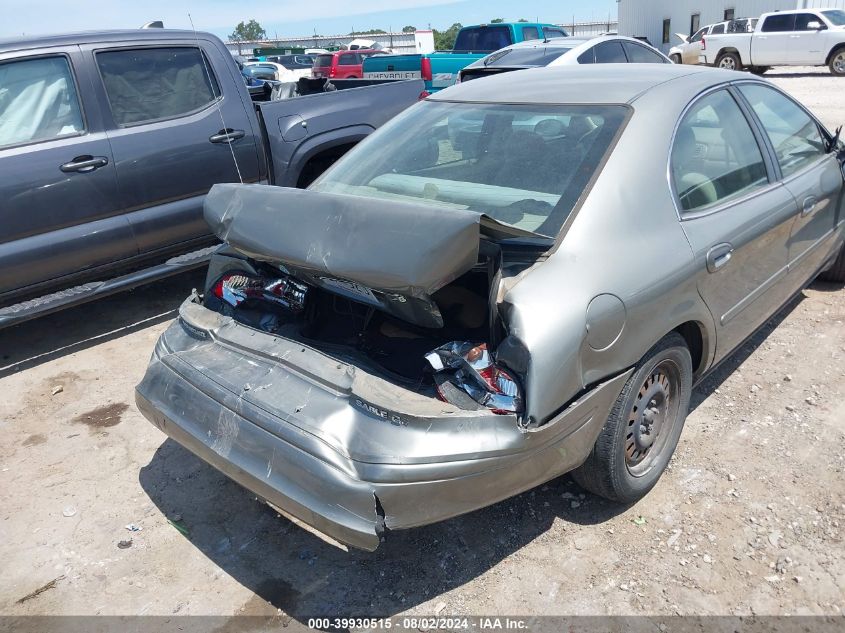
[421, 41]
[645, 18]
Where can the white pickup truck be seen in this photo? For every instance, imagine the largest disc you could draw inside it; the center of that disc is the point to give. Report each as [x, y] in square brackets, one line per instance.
[807, 37]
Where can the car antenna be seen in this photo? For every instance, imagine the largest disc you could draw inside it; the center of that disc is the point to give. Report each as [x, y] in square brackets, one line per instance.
[212, 84]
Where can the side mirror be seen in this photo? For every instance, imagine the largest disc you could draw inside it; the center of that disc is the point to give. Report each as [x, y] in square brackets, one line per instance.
[815, 25]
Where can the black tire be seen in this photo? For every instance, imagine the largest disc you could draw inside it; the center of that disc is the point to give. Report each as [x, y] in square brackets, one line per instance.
[676, 59]
[836, 273]
[837, 62]
[729, 61]
[611, 469]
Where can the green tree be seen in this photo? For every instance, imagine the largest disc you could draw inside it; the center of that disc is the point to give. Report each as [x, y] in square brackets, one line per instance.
[445, 40]
[248, 32]
[497, 20]
[370, 32]
[409, 29]
[522, 20]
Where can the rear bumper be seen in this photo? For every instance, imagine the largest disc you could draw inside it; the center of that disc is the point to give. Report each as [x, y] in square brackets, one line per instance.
[349, 467]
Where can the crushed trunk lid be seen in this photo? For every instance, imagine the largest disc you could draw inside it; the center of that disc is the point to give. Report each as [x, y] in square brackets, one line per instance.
[390, 254]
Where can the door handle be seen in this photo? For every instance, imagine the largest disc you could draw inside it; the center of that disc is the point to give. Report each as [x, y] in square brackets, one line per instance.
[809, 206]
[84, 164]
[719, 256]
[227, 135]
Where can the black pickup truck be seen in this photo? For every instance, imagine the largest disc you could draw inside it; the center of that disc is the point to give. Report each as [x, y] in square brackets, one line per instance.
[109, 142]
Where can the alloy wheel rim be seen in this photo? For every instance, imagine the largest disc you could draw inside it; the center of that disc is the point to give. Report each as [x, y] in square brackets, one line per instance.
[652, 418]
[839, 63]
[728, 63]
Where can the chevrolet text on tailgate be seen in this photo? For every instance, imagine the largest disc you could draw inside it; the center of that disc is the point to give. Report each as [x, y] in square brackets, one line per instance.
[465, 306]
[440, 69]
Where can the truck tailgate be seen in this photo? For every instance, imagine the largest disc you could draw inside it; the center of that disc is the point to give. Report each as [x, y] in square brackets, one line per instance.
[300, 128]
[393, 67]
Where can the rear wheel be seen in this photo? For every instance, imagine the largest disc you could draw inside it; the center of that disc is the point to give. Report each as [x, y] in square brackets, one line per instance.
[676, 59]
[729, 61]
[836, 272]
[642, 431]
[837, 62]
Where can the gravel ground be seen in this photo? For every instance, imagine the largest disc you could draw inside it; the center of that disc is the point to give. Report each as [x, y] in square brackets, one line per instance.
[748, 520]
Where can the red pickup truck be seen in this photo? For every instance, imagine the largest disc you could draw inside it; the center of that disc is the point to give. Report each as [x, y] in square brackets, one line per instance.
[342, 64]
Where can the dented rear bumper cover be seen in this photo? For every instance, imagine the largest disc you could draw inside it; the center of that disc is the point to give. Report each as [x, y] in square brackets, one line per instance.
[341, 450]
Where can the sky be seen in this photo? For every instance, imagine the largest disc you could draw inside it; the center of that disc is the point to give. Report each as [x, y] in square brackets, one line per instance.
[282, 17]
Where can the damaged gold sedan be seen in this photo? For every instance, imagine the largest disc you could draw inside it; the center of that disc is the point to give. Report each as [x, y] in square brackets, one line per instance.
[484, 295]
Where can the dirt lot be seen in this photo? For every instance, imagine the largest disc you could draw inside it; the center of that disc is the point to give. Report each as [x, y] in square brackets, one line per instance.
[749, 519]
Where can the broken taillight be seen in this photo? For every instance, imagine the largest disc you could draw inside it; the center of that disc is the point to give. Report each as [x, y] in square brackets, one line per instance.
[475, 372]
[235, 288]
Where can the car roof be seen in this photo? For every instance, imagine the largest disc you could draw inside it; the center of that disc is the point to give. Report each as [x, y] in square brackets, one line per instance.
[96, 37]
[565, 44]
[587, 83]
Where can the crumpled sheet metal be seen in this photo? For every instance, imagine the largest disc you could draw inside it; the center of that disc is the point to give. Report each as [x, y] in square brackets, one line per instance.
[393, 246]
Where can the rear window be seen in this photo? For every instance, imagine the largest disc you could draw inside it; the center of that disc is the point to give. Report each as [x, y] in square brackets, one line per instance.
[775, 23]
[323, 60]
[156, 83]
[539, 56]
[483, 39]
[38, 101]
[524, 165]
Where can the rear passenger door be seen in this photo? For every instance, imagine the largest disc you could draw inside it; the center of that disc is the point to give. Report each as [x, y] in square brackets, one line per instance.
[772, 44]
[60, 212]
[735, 214]
[166, 115]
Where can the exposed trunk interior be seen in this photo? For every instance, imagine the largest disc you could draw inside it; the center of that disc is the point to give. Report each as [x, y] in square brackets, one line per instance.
[379, 342]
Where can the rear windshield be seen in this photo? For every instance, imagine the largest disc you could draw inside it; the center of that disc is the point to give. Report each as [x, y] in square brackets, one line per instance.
[524, 165]
[535, 56]
[483, 39]
[323, 60]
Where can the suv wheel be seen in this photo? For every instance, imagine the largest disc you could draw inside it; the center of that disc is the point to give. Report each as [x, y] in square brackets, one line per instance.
[676, 59]
[642, 431]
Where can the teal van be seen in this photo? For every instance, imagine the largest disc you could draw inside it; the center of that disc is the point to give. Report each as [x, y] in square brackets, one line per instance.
[440, 69]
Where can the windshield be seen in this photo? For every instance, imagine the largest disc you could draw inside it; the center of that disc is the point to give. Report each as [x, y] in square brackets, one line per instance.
[836, 17]
[523, 165]
[483, 38]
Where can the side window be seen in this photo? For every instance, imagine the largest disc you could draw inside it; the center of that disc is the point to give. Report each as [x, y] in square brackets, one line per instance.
[149, 84]
[347, 59]
[530, 33]
[610, 53]
[715, 156]
[778, 23]
[718, 29]
[550, 32]
[38, 101]
[803, 21]
[793, 133]
[638, 54]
